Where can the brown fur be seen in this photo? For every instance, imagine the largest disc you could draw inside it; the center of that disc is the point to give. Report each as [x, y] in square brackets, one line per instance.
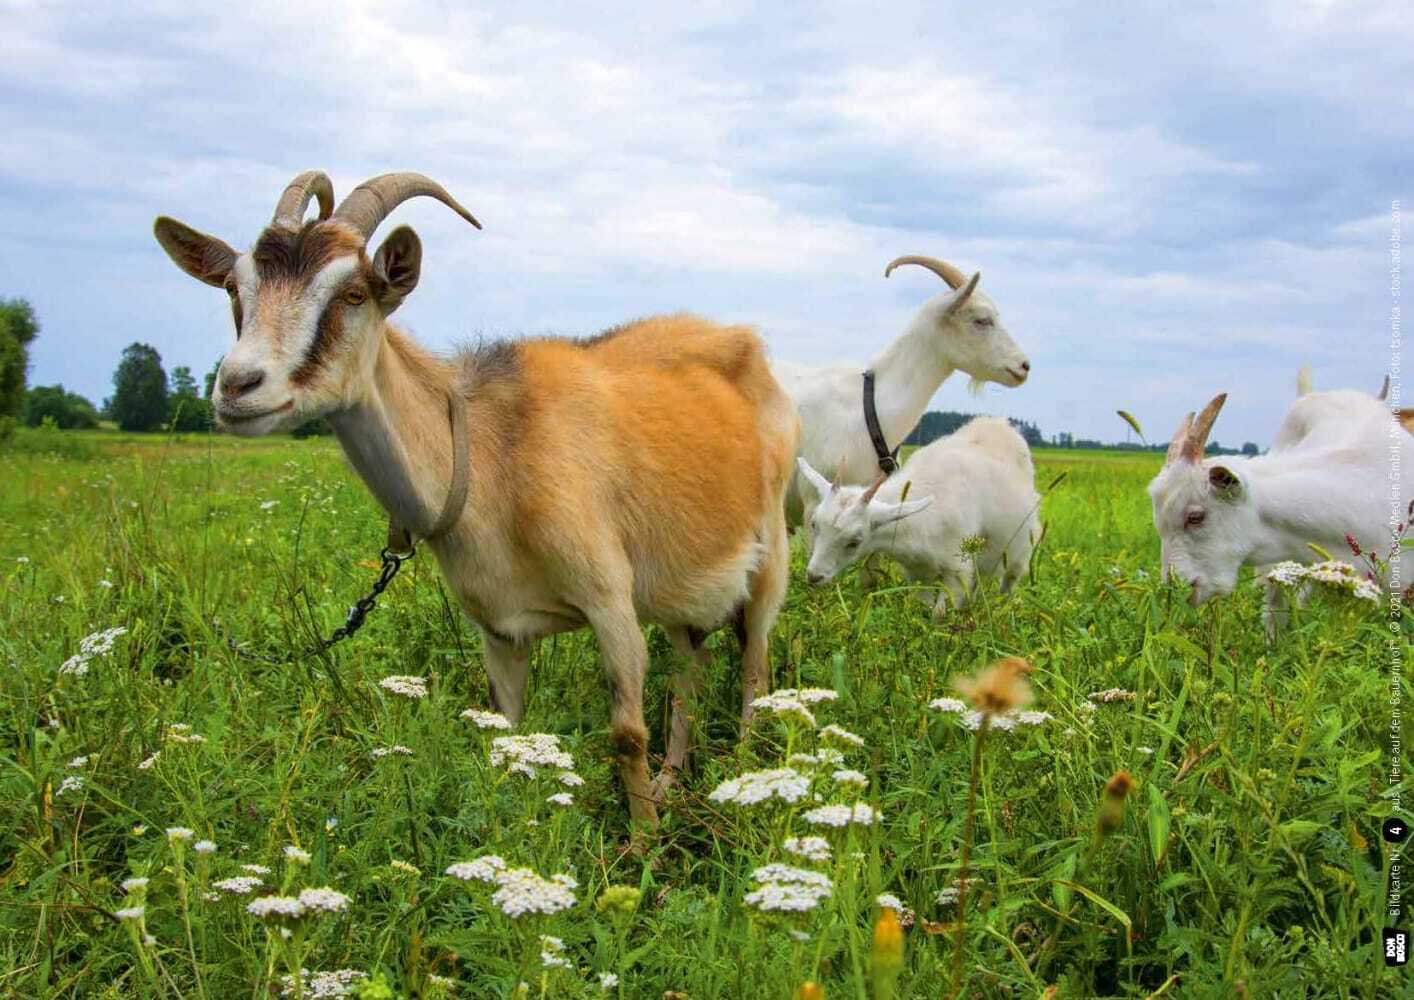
[613, 481]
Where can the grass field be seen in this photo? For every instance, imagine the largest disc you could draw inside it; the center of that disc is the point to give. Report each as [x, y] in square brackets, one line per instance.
[1247, 862]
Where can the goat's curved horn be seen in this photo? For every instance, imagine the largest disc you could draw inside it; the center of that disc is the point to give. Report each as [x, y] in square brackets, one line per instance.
[1198, 436]
[839, 473]
[955, 278]
[1180, 440]
[372, 201]
[1384, 391]
[868, 494]
[292, 204]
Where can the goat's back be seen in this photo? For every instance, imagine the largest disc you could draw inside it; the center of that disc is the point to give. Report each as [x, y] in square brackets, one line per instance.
[1339, 419]
[667, 438]
[993, 436]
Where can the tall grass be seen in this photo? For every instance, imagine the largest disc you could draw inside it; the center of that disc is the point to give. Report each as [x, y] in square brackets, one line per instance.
[1248, 852]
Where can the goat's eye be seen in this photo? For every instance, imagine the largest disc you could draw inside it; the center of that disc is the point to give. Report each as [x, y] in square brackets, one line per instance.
[853, 543]
[354, 297]
[985, 321]
[1194, 518]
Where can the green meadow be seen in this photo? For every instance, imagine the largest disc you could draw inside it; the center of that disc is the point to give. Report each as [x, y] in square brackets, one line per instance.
[1245, 860]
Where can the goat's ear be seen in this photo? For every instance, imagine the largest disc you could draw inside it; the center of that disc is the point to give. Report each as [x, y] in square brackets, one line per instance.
[821, 484]
[887, 513]
[1224, 482]
[397, 264]
[960, 299]
[204, 257]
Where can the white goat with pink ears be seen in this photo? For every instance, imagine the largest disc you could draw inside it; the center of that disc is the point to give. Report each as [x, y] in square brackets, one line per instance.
[1337, 468]
[958, 329]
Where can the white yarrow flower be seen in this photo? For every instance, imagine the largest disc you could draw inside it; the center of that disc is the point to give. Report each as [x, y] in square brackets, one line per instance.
[784, 783]
[834, 732]
[484, 869]
[182, 833]
[134, 884]
[846, 777]
[296, 855]
[204, 847]
[809, 848]
[786, 704]
[324, 899]
[840, 816]
[405, 685]
[486, 720]
[239, 885]
[561, 799]
[522, 891]
[130, 913]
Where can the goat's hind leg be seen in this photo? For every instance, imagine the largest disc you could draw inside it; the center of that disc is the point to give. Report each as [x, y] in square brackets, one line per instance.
[754, 622]
[686, 686]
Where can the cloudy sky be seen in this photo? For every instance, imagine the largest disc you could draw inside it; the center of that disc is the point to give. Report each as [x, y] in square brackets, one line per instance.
[1163, 204]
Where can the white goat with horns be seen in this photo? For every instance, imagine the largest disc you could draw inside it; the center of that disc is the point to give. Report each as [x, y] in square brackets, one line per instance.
[977, 484]
[1326, 477]
[959, 329]
[637, 475]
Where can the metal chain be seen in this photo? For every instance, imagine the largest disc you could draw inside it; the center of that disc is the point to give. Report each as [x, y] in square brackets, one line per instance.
[392, 562]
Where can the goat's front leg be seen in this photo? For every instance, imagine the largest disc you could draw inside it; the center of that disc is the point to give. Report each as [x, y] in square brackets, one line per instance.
[625, 657]
[507, 668]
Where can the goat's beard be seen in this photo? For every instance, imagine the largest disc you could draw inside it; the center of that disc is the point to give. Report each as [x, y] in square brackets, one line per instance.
[976, 386]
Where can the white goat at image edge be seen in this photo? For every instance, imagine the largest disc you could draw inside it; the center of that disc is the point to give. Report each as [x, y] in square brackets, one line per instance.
[976, 484]
[1328, 475]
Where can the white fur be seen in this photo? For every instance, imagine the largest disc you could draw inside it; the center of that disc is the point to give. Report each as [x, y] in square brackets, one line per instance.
[944, 336]
[1331, 472]
[978, 482]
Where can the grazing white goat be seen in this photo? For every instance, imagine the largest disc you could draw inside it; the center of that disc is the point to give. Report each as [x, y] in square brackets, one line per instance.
[959, 329]
[1327, 475]
[636, 476]
[976, 484]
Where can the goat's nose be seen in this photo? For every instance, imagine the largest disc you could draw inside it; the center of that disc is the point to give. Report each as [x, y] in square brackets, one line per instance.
[239, 381]
[814, 578]
[1026, 366]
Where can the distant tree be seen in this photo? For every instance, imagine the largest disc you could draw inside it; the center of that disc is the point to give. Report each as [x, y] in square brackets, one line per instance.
[317, 427]
[139, 400]
[1029, 432]
[68, 410]
[211, 378]
[186, 410]
[1250, 449]
[18, 328]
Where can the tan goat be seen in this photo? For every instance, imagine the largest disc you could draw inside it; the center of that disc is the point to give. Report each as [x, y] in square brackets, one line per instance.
[637, 476]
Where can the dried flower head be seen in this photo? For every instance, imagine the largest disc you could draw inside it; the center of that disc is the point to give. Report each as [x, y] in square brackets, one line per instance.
[1000, 688]
[1111, 812]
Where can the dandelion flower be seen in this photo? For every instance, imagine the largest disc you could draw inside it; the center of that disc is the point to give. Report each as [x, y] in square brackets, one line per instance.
[486, 720]
[405, 685]
[784, 783]
[239, 885]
